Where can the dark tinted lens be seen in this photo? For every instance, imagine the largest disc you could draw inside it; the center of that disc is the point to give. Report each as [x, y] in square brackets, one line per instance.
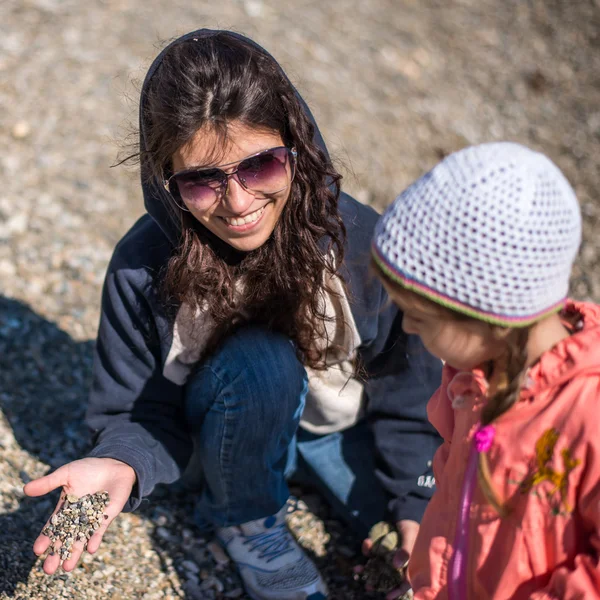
[266, 172]
[199, 186]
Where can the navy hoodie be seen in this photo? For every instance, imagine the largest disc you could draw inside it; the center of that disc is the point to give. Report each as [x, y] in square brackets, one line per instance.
[141, 362]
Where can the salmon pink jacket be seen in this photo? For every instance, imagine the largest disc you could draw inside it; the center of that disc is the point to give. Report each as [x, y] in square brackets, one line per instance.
[544, 457]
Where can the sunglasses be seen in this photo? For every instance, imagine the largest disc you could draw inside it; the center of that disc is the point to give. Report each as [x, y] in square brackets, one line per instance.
[261, 174]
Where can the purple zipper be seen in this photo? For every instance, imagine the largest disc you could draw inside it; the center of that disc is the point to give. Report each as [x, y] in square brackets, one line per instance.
[457, 582]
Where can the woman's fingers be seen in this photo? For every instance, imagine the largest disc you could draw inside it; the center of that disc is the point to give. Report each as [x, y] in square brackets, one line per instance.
[94, 542]
[52, 561]
[44, 485]
[42, 543]
[118, 498]
[51, 564]
[76, 552]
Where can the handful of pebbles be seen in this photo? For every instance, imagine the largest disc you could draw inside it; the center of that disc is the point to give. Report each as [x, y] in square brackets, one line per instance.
[379, 572]
[76, 521]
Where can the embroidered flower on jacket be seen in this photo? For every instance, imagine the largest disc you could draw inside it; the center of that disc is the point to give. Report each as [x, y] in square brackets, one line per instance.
[544, 471]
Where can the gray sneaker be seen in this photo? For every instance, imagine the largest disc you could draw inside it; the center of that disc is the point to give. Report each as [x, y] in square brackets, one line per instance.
[270, 562]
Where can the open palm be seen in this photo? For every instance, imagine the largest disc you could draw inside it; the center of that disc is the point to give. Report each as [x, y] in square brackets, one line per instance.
[81, 477]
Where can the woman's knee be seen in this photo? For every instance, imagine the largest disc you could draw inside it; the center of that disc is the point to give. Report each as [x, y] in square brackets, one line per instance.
[252, 365]
[266, 354]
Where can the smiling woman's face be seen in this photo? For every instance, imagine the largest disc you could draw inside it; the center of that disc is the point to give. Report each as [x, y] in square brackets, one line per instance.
[244, 220]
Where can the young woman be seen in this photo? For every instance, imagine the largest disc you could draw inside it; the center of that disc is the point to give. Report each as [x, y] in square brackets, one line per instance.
[242, 338]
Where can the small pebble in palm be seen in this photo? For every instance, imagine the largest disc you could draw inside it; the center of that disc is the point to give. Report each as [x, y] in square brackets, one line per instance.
[76, 521]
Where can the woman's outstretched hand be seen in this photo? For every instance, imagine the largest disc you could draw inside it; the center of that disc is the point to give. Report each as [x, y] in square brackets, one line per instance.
[407, 531]
[81, 477]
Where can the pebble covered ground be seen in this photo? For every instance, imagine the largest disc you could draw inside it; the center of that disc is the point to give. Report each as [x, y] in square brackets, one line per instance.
[394, 84]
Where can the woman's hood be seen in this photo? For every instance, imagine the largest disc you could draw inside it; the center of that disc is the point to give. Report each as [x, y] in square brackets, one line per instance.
[156, 198]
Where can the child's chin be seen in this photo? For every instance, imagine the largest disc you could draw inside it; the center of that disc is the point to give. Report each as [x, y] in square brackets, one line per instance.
[460, 365]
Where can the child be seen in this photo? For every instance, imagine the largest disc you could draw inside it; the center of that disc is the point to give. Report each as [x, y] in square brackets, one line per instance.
[477, 254]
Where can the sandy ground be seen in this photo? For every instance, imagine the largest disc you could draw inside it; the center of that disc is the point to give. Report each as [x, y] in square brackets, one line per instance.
[394, 85]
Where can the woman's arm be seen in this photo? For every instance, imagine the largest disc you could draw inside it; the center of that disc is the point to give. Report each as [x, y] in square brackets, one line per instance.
[401, 381]
[136, 414]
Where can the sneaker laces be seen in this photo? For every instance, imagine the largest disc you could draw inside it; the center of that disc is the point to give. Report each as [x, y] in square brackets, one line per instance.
[271, 544]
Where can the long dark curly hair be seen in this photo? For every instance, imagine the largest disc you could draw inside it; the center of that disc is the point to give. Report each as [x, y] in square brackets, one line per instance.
[212, 81]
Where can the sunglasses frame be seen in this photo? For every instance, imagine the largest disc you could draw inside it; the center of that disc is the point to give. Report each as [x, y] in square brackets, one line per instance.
[219, 189]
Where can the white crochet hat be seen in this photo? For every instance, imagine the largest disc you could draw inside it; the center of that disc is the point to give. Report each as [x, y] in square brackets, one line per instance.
[491, 231]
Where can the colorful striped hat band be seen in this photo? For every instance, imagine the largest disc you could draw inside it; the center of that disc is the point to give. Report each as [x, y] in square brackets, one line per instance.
[491, 232]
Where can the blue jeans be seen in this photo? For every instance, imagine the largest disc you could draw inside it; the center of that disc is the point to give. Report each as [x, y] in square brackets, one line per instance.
[243, 407]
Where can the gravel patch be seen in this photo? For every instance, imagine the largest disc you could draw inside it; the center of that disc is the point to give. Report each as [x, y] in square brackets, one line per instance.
[394, 85]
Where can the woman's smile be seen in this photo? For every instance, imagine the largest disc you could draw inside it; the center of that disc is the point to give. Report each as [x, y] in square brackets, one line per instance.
[246, 222]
